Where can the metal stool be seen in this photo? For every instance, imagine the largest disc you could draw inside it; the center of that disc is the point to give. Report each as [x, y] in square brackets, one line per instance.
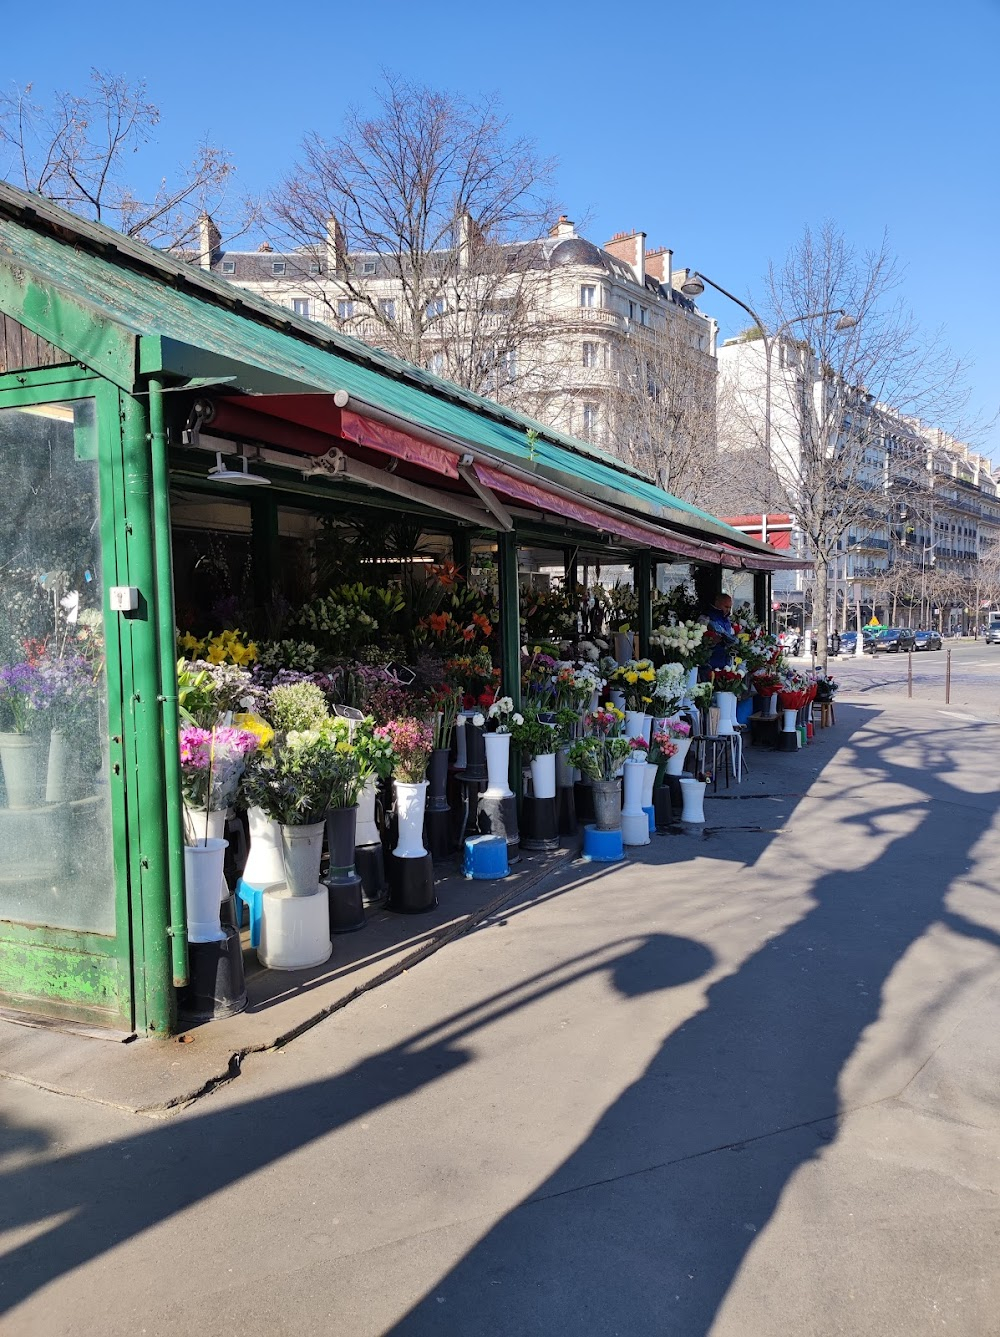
[827, 714]
[721, 745]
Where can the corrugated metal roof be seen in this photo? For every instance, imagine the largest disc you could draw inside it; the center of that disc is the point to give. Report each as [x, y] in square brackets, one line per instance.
[190, 323]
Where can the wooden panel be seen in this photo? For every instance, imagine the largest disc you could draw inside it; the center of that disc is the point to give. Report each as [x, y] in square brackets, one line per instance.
[21, 350]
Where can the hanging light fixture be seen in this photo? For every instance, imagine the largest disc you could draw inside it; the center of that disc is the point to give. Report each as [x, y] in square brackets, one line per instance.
[220, 472]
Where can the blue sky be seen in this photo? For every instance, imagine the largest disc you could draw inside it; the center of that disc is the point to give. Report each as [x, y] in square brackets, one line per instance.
[717, 129]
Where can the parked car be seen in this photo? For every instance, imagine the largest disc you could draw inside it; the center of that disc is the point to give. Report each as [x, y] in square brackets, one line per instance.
[893, 640]
[849, 639]
[993, 634]
[926, 640]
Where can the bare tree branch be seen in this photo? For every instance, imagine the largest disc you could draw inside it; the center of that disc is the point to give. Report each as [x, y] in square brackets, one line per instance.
[77, 150]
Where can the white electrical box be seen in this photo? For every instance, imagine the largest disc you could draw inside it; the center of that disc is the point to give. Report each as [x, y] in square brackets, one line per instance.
[124, 598]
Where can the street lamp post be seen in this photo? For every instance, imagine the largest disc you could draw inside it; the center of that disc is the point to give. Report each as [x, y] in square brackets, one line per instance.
[694, 286]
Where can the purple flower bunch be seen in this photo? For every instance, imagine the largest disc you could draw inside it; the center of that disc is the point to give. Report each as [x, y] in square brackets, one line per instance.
[25, 689]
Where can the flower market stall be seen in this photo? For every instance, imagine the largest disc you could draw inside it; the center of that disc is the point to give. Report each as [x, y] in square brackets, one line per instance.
[401, 613]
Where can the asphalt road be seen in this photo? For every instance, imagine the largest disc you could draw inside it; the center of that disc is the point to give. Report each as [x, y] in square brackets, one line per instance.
[975, 676]
[743, 1084]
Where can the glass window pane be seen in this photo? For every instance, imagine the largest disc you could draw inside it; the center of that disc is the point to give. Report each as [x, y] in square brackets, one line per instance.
[57, 865]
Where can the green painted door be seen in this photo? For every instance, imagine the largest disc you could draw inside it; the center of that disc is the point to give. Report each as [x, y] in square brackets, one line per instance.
[65, 921]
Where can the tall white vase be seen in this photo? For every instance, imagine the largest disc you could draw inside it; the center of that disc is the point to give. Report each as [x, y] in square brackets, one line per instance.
[367, 831]
[411, 800]
[726, 701]
[675, 764]
[198, 823]
[23, 770]
[648, 781]
[498, 764]
[636, 724]
[461, 756]
[772, 705]
[265, 864]
[693, 794]
[543, 775]
[617, 698]
[635, 823]
[203, 865]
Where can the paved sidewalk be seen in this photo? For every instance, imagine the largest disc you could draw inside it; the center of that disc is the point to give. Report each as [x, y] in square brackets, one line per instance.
[151, 1076]
[743, 1084]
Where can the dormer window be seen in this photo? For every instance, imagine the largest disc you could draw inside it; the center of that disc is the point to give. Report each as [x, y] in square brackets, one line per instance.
[229, 266]
[277, 267]
[368, 267]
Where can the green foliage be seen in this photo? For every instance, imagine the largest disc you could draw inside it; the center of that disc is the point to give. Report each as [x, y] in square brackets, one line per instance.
[296, 706]
[532, 737]
[299, 656]
[294, 781]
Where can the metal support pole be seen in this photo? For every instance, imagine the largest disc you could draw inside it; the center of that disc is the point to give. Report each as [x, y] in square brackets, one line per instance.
[154, 949]
[510, 617]
[461, 549]
[909, 673]
[947, 677]
[166, 624]
[510, 630]
[642, 578]
[264, 549]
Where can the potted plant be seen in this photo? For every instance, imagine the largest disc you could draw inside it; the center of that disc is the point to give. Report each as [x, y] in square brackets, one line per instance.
[727, 682]
[636, 680]
[212, 764]
[375, 759]
[668, 691]
[663, 747]
[500, 718]
[600, 755]
[678, 732]
[536, 742]
[292, 784]
[411, 741]
[25, 694]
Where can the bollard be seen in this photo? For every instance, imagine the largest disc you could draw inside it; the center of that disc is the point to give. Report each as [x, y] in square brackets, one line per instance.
[947, 678]
[909, 673]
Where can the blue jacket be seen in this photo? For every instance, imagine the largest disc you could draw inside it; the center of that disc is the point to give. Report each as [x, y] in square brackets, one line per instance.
[722, 654]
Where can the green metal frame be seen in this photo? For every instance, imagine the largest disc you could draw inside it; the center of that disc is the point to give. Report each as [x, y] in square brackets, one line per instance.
[84, 976]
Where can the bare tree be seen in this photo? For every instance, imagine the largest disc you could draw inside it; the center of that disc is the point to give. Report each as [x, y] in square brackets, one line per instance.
[661, 407]
[77, 149]
[831, 387]
[421, 220]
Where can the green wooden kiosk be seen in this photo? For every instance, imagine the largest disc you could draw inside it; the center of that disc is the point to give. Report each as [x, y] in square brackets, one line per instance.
[123, 372]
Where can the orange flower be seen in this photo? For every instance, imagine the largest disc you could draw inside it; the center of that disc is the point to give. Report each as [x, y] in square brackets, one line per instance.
[439, 622]
[483, 623]
[446, 574]
[468, 634]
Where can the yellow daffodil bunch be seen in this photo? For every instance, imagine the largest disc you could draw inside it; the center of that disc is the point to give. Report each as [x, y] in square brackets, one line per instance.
[227, 647]
[636, 681]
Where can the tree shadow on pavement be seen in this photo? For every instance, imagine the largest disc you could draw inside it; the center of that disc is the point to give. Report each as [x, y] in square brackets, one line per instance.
[108, 1194]
[645, 1227]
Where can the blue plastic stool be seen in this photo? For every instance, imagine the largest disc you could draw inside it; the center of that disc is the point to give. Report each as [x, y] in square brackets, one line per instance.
[651, 814]
[485, 857]
[602, 846]
[252, 899]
